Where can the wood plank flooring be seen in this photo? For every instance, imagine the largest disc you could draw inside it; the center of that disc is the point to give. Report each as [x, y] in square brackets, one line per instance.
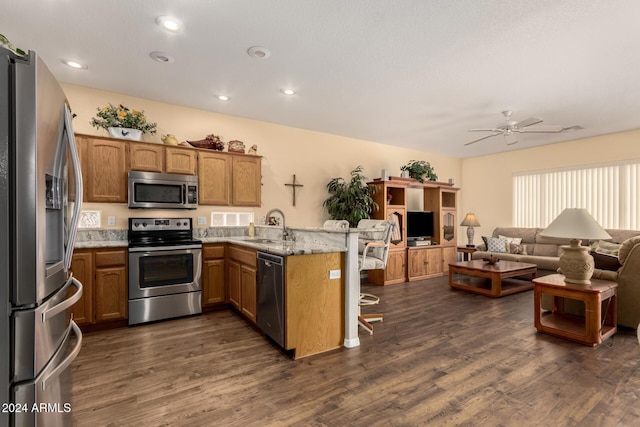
[440, 358]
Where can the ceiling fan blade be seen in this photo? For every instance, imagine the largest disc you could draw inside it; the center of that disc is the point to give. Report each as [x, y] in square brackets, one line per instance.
[480, 139]
[485, 130]
[543, 129]
[528, 122]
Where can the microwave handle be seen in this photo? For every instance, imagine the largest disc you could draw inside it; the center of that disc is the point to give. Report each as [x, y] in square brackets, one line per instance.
[77, 206]
[184, 194]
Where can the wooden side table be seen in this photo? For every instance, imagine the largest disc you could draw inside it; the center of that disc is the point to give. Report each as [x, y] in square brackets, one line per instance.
[597, 324]
[466, 252]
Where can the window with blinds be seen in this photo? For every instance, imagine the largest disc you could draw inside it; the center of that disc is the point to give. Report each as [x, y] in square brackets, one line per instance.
[610, 192]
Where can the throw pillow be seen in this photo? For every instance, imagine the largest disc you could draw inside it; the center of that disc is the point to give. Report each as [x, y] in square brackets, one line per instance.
[605, 262]
[607, 248]
[516, 240]
[495, 244]
[515, 248]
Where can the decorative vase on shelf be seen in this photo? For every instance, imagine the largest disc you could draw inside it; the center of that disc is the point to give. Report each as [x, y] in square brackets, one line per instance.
[404, 174]
[126, 133]
[169, 139]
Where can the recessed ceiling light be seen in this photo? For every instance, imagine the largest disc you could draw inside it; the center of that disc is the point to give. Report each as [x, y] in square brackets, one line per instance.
[258, 52]
[288, 91]
[74, 64]
[223, 98]
[169, 23]
[161, 57]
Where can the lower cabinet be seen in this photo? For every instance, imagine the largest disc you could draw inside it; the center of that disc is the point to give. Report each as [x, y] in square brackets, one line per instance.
[242, 272]
[103, 273]
[449, 256]
[213, 274]
[424, 262]
[395, 271]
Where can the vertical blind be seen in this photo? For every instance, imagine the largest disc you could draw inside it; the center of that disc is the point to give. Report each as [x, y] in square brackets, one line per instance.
[609, 192]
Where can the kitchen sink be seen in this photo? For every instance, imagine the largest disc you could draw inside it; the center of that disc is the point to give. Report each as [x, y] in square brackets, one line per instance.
[263, 241]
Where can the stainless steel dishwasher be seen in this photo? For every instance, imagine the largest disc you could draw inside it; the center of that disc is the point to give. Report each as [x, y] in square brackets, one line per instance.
[270, 310]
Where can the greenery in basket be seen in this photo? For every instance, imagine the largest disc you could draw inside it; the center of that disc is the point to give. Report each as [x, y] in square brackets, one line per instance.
[122, 117]
[350, 200]
[419, 170]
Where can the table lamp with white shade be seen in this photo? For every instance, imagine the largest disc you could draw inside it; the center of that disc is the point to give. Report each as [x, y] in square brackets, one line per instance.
[575, 262]
[470, 221]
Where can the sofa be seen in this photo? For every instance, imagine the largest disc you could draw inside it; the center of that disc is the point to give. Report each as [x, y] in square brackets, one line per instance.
[620, 263]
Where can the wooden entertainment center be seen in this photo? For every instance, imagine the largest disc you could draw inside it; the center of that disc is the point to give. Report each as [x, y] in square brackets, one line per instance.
[409, 263]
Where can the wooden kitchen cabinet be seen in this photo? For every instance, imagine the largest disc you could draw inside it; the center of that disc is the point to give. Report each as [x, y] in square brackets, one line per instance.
[314, 303]
[213, 274]
[242, 273]
[146, 157]
[111, 291]
[104, 169]
[82, 269]
[103, 274]
[180, 160]
[214, 178]
[246, 180]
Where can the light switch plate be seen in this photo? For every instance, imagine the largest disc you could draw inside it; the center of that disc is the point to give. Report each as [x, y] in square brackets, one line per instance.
[111, 220]
[334, 274]
[202, 220]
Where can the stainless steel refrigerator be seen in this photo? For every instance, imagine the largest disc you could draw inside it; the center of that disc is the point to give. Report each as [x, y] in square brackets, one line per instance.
[40, 199]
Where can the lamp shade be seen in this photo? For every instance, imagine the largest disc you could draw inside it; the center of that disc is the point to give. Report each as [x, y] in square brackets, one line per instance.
[575, 223]
[470, 220]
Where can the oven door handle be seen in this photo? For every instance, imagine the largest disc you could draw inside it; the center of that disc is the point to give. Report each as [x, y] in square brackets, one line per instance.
[164, 248]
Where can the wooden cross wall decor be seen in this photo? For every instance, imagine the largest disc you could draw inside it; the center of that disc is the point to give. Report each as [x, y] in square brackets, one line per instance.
[294, 184]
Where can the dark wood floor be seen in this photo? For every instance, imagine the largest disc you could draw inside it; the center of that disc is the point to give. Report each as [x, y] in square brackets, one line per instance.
[441, 357]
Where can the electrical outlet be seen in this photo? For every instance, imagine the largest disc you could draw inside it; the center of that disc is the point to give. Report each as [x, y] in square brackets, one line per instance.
[334, 274]
[202, 220]
[111, 220]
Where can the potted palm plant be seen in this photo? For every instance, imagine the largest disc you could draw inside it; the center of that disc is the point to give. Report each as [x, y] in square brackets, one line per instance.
[121, 122]
[350, 200]
[419, 170]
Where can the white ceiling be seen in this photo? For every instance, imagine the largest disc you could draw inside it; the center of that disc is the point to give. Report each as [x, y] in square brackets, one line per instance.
[413, 73]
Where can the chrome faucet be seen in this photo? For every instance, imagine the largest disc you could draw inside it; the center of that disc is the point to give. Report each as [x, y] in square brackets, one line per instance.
[285, 232]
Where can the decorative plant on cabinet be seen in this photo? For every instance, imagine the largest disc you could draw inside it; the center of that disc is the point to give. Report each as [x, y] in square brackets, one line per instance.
[419, 170]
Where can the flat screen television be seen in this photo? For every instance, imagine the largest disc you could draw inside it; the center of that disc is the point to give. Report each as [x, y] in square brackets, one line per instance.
[419, 225]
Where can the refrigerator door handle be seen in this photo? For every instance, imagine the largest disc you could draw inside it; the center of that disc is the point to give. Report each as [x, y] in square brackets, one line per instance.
[58, 308]
[69, 359]
[77, 206]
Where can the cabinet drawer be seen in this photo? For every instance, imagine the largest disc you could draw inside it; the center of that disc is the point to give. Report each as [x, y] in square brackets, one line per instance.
[244, 256]
[111, 258]
[212, 252]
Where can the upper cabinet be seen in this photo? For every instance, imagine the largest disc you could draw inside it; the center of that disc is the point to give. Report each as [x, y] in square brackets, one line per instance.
[159, 158]
[225, 179]
[180, 160]
[146, 157]
[214, 178]
[229, 179]
[247, 181]
[104, 169]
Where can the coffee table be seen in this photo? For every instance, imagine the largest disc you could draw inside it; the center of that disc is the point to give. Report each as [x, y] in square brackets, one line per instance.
[471, 276]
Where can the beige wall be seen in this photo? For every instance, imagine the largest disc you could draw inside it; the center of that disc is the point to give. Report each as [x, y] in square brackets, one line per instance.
[487, 180]
[314, 157]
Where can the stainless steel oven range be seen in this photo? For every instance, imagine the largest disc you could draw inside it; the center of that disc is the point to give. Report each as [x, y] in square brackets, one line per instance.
[164, 269]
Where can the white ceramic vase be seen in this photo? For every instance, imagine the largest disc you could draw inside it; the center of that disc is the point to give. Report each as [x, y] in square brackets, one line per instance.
[126, 133]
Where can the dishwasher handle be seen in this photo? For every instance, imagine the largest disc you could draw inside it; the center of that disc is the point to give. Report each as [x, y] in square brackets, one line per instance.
[270, 259]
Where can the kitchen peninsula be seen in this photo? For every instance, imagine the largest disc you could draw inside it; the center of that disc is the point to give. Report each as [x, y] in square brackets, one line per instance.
[321, 281]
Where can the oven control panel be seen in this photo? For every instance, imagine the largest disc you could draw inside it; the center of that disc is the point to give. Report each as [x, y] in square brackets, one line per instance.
[155, 224]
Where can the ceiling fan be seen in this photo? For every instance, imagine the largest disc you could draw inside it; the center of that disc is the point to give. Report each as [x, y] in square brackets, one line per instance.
[510, 128]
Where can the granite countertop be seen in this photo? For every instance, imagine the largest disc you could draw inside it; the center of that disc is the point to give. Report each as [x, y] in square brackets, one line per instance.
[277, 247]
[91, 244]
[273, 246]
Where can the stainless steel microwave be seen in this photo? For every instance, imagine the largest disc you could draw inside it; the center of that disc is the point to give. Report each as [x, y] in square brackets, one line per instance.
[149, 190]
